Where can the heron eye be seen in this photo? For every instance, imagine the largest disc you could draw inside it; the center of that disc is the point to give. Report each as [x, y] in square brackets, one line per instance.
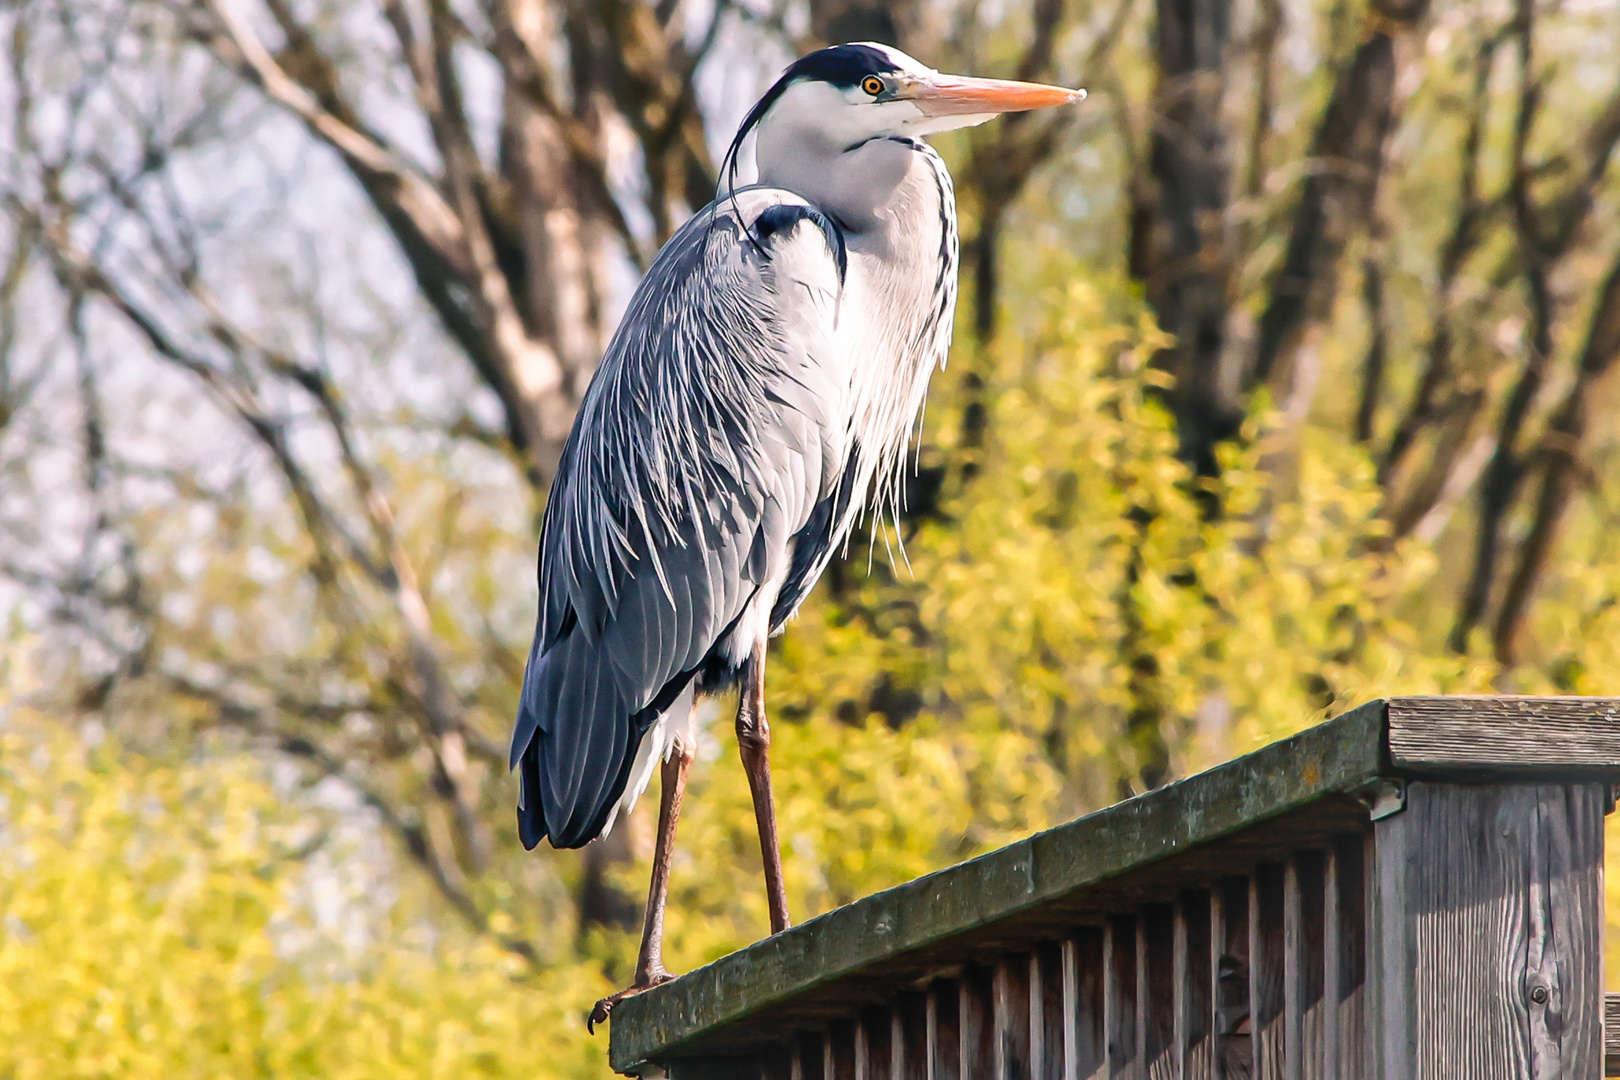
[872, 85]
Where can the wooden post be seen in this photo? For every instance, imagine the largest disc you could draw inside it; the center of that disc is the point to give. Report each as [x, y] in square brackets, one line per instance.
[1486, 933]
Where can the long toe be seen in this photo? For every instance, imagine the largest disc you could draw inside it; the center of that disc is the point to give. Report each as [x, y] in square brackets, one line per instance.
[604, 1008]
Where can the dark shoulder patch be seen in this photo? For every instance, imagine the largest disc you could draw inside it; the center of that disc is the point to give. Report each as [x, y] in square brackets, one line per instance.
[781, 218]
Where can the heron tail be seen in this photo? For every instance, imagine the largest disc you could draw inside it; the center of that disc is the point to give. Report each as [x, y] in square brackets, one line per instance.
[573, 745]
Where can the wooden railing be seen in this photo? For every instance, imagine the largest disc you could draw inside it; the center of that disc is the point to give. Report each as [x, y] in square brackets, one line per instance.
[1411, 890]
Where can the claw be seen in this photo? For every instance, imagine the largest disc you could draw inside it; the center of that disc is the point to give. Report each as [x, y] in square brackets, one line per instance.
[604, 1008]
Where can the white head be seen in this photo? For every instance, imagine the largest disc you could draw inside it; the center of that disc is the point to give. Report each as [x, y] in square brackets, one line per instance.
[830, 104]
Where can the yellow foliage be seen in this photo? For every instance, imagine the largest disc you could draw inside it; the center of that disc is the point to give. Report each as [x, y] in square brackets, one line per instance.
[1078, 540]
[139, 903]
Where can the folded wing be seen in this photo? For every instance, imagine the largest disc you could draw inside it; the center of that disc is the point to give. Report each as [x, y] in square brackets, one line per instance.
[708, 450]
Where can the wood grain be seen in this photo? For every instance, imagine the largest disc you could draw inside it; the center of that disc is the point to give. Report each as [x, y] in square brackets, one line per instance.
[1266, 971]
[1119, 999]
[1046, 1011]
[1085, 1038]
[944, 1033]
[1488, 917]
[908, 1038]
[976, 1024]
[1270, 977]
[1229, 929]
[873, 1055]
[1155, 998]
[728, 1005]
[1193, 985]
[1611, 1035]
[1303, 962]
[1344, 943]
[1012, 1017]
[1504, 733]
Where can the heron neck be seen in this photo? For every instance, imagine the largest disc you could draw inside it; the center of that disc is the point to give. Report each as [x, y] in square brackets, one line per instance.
[853, 184]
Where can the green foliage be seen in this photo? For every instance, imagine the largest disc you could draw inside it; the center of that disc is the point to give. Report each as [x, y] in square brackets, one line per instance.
[1064, 618]
[147, 924]
[1068, 613]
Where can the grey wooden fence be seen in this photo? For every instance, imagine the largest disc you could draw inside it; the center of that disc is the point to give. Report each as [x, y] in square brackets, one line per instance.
[1412, 890]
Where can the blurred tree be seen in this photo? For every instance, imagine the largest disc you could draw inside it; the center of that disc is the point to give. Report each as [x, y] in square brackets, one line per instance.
[1242, 230]
[1305, 322]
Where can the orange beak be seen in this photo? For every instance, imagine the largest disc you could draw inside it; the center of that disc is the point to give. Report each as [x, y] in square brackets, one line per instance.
[958, 95]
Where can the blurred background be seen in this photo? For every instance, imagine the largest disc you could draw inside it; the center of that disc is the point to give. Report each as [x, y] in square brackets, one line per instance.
[1283, 380]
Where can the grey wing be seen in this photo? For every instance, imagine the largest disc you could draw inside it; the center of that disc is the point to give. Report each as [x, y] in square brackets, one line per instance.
[712, 430]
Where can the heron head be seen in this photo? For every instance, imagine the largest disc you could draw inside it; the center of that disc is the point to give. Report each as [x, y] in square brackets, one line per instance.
[848, 94]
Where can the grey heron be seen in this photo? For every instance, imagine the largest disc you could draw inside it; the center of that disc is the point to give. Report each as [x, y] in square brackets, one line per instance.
[756, 399]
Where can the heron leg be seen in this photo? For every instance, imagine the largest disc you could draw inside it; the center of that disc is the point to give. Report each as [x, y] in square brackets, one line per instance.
[650, 965]
[754, 742]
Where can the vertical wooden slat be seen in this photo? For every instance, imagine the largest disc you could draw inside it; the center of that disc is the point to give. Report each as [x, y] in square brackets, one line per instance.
[809, 1062]
[776, 1061]
[1046, 1011]
[1193, 985]
[1155, 997]
[1232, 1042]
[944, 1038]
[1266, 972]
[1487, 923]
[1012, 1017]
[872, 1054]
[1119, 998]
[1085, 1038]
[1303, 961]
[976, 1025]
[908, 1038]
[1344, 957]
[1313, 895]
[838, 1051]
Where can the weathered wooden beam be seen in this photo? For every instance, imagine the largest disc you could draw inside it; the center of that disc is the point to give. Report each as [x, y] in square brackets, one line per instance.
[1487, 917]
[1193, 983]
[1514, 734]
[1611, 1035]
[1085, 1039]
[1344, 943]
[805, 975]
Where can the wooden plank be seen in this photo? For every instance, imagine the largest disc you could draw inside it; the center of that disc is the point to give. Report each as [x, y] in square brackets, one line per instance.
[1193, 985]
[1012, 1017]
[1046, 1011]
[729, 1003]
[808, 1056]
[1487, 919]
[838, 1051]
[976, 1024]
[1119, 1000]
[776, 1062]
[1304, 901]
[800, 977]
[944, 1035]
[908, 1039]
[1266, 973]
[1085, 1037]
[1156, 990]
[873, 1054]
[1611, 1035]
[1344, 946]
[747, 1067]
[1232, 1041]
[1504, 733]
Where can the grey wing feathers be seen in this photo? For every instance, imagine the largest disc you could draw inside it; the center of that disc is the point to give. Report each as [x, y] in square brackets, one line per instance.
[678, 495]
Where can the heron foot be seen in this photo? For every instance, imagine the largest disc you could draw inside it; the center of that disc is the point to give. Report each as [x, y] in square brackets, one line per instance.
[603, 1008]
